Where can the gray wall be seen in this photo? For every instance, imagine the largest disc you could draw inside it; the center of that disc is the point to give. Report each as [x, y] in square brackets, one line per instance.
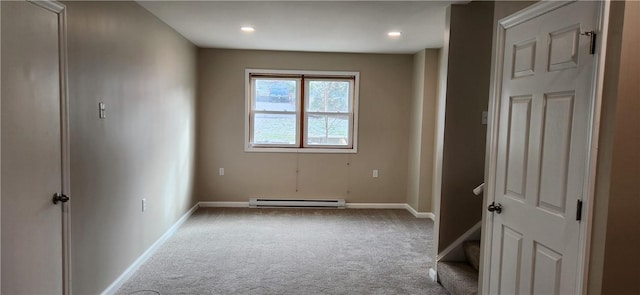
[467, 96]
[385, 98]
[145, 73]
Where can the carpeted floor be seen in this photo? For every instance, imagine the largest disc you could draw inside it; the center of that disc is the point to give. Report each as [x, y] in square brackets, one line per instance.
[292, 251]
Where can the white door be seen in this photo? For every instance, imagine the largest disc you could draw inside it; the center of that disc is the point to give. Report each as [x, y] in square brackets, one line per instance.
[31, 150]
[543, 136]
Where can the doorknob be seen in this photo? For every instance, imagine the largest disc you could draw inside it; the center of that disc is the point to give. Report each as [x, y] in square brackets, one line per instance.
[62, 198]
[495, 207]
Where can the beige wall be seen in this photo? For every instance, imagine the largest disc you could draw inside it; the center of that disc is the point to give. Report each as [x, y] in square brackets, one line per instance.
[464, 134]
[422, 129]
[145, 73]
[605, 147]
[621, 273]
[385, 99]
[506, 8]
[614, 265]
[415, 130]
[427, 157]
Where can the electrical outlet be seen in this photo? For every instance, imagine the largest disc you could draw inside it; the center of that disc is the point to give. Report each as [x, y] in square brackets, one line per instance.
[485, 117]
[375, 173]
[144, 205]
[221, 171]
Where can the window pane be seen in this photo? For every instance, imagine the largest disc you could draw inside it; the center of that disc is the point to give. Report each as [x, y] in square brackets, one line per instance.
[328, 130]
[328, 96]
[275, 95]
[274, 129]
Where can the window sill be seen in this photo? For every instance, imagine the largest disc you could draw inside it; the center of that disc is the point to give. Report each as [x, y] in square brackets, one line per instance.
[300, 150]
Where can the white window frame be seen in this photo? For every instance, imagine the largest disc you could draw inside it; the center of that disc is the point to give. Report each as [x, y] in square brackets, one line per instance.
[252, 113]
[303, 147]
[348, 113]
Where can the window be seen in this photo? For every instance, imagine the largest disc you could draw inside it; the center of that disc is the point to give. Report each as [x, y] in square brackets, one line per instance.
[295, 111]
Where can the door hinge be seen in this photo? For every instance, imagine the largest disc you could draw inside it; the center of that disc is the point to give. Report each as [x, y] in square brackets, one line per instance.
[592, 45]
[579, 210]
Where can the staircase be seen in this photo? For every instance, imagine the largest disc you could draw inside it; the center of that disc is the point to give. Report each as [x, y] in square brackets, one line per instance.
[461, 278]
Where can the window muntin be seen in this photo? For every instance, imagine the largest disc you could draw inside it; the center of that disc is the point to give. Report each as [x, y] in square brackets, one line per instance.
[301, 111]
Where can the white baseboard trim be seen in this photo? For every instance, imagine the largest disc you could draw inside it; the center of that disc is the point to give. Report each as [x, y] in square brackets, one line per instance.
[433, 275]
[347, 205]
[420, 214]
[391, 206]
[375, 205]
[224, 204]
[126, 275]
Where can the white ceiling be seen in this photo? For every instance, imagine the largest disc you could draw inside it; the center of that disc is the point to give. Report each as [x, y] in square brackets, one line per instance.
[325, 26]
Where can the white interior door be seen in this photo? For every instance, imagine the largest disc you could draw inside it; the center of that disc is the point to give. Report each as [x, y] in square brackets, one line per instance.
[31, 150]
[542, 144]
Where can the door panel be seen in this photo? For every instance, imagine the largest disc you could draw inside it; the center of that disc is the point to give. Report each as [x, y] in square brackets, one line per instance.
[510, 260]
[541, 153]
[546, 270]
[563, 46]
[524, 58]
[518, 146]
[31, 151]
[556, 136]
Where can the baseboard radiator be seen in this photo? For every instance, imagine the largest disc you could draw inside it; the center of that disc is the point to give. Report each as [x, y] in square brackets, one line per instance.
[293, 203]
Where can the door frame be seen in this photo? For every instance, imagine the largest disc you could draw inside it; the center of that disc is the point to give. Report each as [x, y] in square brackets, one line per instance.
[517, 18]
[60, 9]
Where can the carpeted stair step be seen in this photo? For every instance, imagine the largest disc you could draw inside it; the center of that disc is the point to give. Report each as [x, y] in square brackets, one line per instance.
[472, 251]
[459, 278]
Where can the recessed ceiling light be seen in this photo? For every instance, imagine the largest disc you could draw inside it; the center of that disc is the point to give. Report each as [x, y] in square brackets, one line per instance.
[394, 34]
[247, 29]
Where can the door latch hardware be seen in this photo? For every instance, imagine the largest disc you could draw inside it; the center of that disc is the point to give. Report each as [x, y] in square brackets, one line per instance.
[62, 198]
[592, 35]
[495, 207]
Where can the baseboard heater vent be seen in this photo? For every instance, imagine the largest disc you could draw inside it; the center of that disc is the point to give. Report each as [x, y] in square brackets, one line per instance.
[291, 203]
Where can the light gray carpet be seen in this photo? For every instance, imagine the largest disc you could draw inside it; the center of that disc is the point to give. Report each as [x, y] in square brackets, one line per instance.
[292, 251]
